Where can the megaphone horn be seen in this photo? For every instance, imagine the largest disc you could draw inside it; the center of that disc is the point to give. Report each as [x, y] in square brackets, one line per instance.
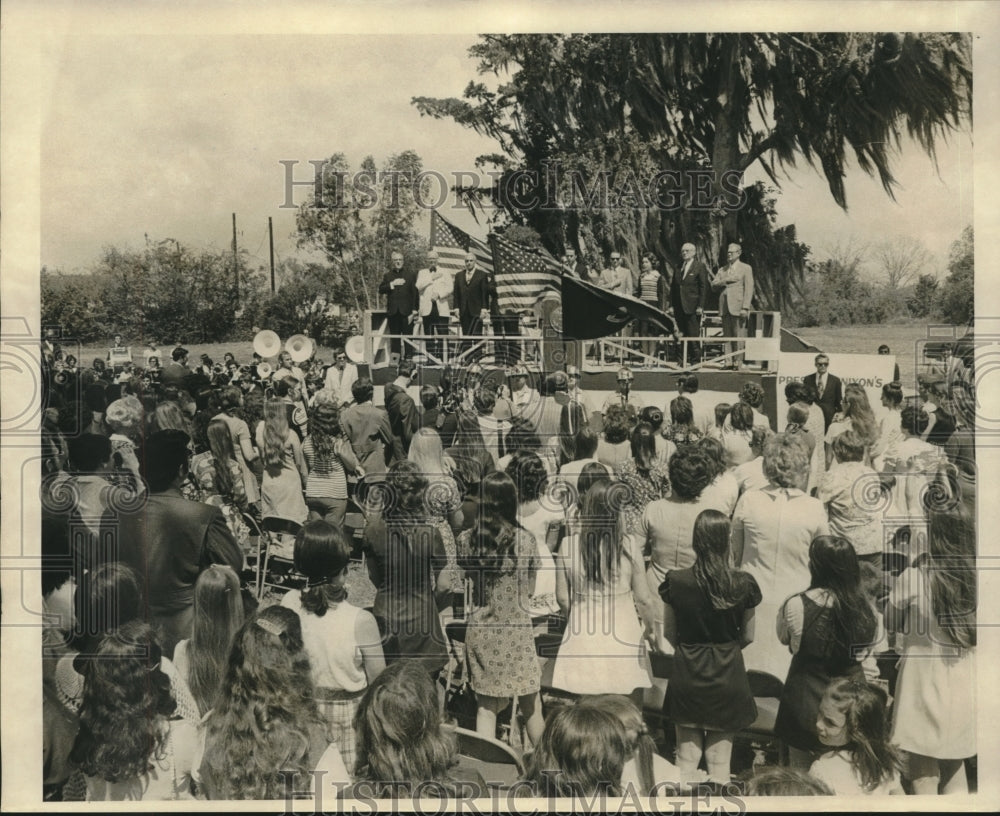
[299, 347]
[263, 370]
[267, 343]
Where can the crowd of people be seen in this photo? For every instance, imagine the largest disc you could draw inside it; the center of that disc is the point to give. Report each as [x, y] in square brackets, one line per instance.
[821, 547]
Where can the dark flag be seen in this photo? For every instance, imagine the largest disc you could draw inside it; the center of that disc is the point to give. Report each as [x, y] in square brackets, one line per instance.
[590, 312]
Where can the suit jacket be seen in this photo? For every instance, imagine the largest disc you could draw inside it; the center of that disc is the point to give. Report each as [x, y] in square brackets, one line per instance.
[432, 292]
[402, 299]
[404, 419]
[474, 296]
[736, 281]
[169, 541]
[829, 400]
[689, 293]
[370, 434]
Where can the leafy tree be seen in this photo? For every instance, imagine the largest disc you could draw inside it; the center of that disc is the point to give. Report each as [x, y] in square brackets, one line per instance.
[958, 292]
[72, 303]
[357, 220]
[609, 107]
[923, 300]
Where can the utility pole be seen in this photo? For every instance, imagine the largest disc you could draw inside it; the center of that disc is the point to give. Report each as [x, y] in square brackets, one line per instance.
[270, 235]
[236, 260]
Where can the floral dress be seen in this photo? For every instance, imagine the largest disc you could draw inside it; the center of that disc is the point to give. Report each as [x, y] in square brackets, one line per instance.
[234, 505]
[643, 487]
[500, 641]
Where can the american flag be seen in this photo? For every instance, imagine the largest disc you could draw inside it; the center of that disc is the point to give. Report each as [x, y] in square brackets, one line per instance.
[523, 275]
[452, 243]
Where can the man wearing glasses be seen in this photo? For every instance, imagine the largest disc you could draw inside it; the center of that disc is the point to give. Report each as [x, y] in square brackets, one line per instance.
[735, 280]
[340, 377]
[827, 389]
[574, 391]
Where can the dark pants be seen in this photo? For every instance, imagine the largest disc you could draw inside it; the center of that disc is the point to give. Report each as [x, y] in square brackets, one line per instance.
[435, 324]
[507, 352]
[689, 325]
[471, 325]
[398, 324]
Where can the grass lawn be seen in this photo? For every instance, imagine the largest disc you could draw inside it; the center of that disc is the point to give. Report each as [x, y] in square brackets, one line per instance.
[905, 340]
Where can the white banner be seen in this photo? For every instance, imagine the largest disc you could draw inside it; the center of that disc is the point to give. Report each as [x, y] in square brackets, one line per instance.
[872, 371]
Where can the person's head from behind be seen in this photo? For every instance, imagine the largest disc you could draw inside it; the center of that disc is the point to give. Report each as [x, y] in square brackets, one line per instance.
[89, 453]
[179, 355]
[362, 390]
[833, 565]
[758, 439]
[712, 448]
[220, 441]
[427, 451]
[586, 442]
[652, 416]
[582, 751]
[798, 415]
[712, 571]
[786, 461]
[691, 471]
[522, 436]
[218, 616]
[126, 698]
[752, 394]
[913, 420]
[616, 424]
[406, 368]
[430, 397]
[405, 485]
[484, 400]
[741, 417]
[852, 713]
[643, 446]
[106, 598]
[855, 400]
[722, 410]
[848, 447]
[528, 474]
[777, 781]
[260, 728]
[681, 411]
[797, 391]
[165, 459]
[398, 728]
[322, 553]
[892, 395]
[593, 473]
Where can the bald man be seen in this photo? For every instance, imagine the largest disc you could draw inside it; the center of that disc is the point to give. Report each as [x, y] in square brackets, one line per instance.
[735, 281]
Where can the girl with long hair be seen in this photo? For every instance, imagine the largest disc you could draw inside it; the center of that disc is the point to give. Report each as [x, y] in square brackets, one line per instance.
[645, 476]
[852, 722]
[402, 745]
[682, 429]
[329, 458]
[889, 424]
[266, 735]
[221, 481]
[130, 745]
[285, 472]
[231, 412]
[855, 415]
[500, 641]
[600, 584]
[736, 435]
[932, 610]
[218, 616]
[829, 629]
[342, 640]
[288, 391]
[644, 768]
[708, 618]
[405, 554]
[582, 752]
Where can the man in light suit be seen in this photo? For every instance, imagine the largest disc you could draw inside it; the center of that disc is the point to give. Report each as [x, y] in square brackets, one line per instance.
[688, 291]
[827, 389]
[435, 286]
[735, 280]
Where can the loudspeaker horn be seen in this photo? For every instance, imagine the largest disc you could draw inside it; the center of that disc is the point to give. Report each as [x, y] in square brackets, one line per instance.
[267, 343]
[300, 347]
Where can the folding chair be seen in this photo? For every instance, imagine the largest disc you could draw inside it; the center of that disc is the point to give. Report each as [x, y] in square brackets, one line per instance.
[354, 526]
[498, 763]
[654, 697]
[275, 534]
[766, 690]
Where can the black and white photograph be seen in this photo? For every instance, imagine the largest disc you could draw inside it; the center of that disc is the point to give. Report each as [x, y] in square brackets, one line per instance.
[453, 407]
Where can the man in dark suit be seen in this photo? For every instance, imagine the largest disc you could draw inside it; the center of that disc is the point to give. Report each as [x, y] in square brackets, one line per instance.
[688, 292]
[171, 540]
[472, 298]
[402, 303]
[827, 389]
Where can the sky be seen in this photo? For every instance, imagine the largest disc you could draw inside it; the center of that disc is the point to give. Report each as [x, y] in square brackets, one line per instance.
[167, 135]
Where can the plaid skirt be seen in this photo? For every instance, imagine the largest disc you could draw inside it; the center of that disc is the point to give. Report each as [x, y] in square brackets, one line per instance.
[338, 708]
